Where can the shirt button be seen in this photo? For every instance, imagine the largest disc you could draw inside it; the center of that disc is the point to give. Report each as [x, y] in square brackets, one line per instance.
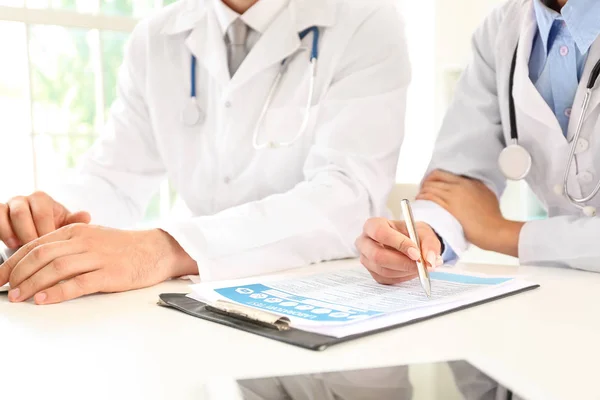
[586, 177]
[227, 180]
[564, 50]
[582, 145]
[227, 104]
[568, 112]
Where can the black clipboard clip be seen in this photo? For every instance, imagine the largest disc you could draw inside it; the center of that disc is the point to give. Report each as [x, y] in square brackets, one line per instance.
[246, 314]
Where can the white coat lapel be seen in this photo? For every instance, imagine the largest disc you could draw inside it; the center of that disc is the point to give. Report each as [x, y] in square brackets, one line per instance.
[592, 59]
[207, 43]
[527, 97]
[281, 39]
[204, 40]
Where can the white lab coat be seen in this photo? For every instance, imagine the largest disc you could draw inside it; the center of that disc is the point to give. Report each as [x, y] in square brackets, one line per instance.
[477, 128]
[253, 211]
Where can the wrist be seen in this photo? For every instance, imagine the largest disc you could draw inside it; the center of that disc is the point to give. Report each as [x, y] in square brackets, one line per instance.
[172, 257]
[504, 237]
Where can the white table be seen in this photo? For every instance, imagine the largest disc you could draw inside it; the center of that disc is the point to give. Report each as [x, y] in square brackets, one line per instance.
[543, 344]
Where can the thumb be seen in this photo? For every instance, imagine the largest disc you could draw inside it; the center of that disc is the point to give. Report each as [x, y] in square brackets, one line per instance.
[80, 217]
[63, 217]
[431, 246]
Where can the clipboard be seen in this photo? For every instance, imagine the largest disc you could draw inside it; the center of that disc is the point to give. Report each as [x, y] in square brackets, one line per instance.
[275, 327]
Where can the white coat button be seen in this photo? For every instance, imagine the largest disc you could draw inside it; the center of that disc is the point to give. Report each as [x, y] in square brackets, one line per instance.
[227, 180]
[586, 177]
[227, 104]
[582, 145]
[564, 50]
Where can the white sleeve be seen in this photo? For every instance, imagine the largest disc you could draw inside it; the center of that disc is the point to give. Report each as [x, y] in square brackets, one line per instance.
[348, 174]
[443, 223]
[567, 241]
[471, 137]
[123, 168]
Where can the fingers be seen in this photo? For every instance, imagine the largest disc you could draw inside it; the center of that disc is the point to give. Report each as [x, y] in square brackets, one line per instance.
[392, 281]
[395, 271]
[431, 246]
[388, 265]
[75, 287]
[42, 206]
[40, 257]
[21, 219]
[383, 232]
[443, 187]
[5, 271]
[438, 189]
[383, 261]
[439, 175]
[437, 193]
[81, 217]
[51, 274]
[7, 235]
[24, 219]
[380, 257]
[62, 216]
[65, 233]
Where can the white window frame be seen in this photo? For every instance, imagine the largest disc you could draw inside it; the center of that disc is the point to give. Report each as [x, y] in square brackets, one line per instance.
[95, 23]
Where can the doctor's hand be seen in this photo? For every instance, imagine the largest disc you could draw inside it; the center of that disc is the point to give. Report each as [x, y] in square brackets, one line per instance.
[389, 254]
[81, 259]
[23, 219]
[477, 209]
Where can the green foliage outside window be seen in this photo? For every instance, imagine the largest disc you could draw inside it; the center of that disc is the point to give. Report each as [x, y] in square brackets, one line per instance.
[64, 82]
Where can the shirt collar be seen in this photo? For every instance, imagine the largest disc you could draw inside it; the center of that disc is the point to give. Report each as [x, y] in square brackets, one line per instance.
[582, 18]
[258, 17]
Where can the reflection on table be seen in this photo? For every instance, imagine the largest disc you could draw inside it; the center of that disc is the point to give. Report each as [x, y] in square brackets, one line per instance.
[390, 383]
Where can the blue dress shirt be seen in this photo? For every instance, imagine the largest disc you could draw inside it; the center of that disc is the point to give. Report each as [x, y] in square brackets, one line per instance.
[558, 57]
[560, 50]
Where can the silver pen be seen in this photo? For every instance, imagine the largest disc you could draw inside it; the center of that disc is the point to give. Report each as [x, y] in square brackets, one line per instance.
[412, 232]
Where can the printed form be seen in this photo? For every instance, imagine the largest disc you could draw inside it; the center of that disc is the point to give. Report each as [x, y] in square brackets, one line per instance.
[349, 301]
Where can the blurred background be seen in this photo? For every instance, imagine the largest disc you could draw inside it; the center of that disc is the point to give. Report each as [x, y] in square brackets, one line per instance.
[58, 77]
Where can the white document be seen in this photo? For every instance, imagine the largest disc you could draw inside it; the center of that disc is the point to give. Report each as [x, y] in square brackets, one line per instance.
[349, 301]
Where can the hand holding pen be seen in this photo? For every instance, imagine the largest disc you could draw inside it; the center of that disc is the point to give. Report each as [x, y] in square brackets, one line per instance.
[389, 254]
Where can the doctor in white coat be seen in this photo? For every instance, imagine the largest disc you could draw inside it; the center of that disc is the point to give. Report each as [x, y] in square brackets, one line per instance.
[558, 48]
[253, 210]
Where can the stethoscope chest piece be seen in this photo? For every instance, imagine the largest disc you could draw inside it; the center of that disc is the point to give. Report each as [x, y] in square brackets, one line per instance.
[515, 162]
[192, 114]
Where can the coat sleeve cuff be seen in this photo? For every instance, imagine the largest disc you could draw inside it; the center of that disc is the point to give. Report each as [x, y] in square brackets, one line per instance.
[444, 224]
[192, 241]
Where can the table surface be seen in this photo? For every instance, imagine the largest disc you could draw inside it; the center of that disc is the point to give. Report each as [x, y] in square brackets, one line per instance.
[543, 343]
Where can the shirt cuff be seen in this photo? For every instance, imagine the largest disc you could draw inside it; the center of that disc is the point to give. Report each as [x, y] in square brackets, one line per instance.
[448, 255]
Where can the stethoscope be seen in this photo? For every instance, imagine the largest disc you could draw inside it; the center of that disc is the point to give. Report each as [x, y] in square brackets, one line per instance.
[515, 161]
[192, 114]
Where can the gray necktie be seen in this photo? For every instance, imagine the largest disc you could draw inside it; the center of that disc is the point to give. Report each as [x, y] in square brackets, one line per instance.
[237, 34]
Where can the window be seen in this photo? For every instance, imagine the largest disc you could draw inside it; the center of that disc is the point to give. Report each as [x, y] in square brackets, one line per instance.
[57, 83]
[421, 128]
